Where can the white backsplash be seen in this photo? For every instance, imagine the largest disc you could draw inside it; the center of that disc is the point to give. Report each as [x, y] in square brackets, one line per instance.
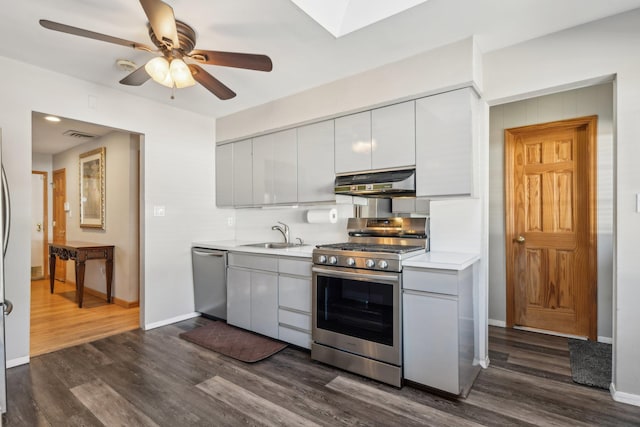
[255, 224]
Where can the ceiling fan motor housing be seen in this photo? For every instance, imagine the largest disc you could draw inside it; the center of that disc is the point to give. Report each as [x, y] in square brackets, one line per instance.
[186, 39]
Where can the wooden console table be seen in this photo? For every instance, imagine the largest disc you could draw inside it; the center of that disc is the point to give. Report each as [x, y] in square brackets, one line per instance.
[81, 252]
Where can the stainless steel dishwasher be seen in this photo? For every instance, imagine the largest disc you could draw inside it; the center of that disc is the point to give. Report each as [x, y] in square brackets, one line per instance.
[210, 282]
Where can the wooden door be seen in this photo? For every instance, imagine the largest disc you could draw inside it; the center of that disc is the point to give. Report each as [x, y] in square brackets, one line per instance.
[550, 203]
[60, 217]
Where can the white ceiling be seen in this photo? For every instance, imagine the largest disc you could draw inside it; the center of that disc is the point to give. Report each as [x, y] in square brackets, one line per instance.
[304, 54]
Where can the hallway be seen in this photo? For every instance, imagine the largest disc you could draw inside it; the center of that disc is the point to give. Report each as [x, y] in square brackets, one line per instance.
[57, 322]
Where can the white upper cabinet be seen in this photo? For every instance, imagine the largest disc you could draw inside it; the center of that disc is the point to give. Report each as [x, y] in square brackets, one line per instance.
[445, 143]
[242, 177]
[353, 143]
[393, 136]
[275, 172]
[224, 175]
[316, 162]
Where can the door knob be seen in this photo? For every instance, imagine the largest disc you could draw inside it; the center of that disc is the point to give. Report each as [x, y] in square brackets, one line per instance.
[520, 239]
[8, 307]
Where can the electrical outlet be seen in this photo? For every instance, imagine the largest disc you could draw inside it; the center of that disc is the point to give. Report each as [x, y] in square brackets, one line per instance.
[230, 221]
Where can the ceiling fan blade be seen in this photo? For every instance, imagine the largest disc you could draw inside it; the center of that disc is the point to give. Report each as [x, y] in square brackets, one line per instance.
[56, 26]
[212, 84]
[136, 78]
[233, 59]
[162, 21]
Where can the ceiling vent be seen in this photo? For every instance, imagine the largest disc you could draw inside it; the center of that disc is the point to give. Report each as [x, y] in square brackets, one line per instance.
[78, 134]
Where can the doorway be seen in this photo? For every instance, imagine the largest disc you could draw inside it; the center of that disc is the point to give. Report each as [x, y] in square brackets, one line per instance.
[39, 221]
[57, 147]
[582, 102]
[550, 226]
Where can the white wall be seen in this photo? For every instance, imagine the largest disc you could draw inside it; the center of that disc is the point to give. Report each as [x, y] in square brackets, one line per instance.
[588, 101]
[452, 66]
[177, 163]
[121, 216]
[563, 60]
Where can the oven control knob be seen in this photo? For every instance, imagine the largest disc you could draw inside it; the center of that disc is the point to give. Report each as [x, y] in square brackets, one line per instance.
[383, 264]
[370, 263]
[351, 262]
[333, 260]
[322, 259]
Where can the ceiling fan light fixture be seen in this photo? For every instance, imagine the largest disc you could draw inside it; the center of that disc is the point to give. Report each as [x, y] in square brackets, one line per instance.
[158, 69]
[181, 74]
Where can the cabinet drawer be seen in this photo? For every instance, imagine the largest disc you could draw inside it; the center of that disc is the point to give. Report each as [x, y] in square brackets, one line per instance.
[297, 320]
[254, 262]
[292, 336]
[295, 267]
[295, 293]
[436, 281]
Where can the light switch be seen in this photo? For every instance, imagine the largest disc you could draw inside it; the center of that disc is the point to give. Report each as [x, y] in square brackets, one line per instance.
[158, 211]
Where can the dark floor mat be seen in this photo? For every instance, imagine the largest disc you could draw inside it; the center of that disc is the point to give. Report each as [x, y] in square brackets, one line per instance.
[590, 363]
[233, 342]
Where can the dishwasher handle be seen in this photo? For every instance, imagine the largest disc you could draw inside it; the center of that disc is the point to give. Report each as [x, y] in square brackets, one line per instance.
[208, 252]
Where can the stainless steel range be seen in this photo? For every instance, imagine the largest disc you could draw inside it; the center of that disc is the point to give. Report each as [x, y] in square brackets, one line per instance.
[357, 285]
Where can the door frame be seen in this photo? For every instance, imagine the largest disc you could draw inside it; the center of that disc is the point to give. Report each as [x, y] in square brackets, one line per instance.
[590, 124]
[45, 220]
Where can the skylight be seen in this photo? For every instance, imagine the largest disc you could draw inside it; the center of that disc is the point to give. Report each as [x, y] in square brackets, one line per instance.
[341, 17]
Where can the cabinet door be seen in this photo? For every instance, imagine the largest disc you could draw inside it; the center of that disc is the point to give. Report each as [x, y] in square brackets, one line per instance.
[316, 172]
[275, 173]
[430, 347]
[242, 176]
[285, 167]
[264, 304]
[224, 175]
[393, 136]
[295, 293]
[353, 143]
[239, 298]
[444, 144]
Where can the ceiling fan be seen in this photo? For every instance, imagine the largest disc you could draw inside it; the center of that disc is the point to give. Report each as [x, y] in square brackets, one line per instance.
[175, 40]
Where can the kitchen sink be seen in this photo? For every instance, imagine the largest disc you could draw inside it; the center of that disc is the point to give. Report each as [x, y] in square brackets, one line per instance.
[274, 245]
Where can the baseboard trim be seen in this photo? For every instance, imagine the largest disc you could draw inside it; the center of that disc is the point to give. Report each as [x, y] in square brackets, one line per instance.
[117, 301]
[500, 323]
[170, 321]
[12, 363]
[622, 397]
[484, 363]
[606, 340]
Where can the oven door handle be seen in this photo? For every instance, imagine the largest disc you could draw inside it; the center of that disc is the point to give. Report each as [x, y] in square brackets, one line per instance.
[348, 274]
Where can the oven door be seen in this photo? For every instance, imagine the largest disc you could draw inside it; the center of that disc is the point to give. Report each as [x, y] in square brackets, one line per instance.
[358, 311]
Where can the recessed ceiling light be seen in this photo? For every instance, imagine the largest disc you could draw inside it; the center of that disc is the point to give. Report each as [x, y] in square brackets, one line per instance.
[52, 118]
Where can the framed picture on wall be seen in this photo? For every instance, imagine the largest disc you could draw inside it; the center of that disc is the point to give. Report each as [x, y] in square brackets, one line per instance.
[92, 188]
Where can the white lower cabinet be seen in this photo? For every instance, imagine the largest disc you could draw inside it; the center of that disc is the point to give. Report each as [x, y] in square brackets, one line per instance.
[271, 296]
[239, 298]
[438, 328]
[252, 293]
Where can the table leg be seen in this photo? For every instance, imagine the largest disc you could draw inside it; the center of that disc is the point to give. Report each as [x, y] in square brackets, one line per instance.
[109, 275]
[52, 270]
[79, 282]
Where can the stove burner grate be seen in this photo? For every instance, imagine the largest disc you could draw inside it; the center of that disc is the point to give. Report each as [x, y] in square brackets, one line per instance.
[372, 247]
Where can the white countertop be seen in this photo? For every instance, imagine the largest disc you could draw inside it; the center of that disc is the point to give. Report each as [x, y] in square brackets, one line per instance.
[303, 251]
[439, 260]
[442, 260]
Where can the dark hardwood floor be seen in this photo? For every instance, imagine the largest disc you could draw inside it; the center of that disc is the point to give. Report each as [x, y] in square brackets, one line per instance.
[155, 378]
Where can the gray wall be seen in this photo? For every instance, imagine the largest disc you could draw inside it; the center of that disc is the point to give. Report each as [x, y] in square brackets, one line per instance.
[564, 105]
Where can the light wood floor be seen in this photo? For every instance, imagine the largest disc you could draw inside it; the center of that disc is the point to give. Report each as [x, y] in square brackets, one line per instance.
[154, 378]
[57, 322]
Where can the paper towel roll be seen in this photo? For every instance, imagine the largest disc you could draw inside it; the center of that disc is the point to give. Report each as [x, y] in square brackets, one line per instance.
[322, 216]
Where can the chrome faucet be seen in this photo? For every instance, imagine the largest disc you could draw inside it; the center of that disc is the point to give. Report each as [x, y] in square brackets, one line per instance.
[284, 229]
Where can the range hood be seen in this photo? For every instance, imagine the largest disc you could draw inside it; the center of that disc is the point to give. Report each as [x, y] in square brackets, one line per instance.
[377, 184]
